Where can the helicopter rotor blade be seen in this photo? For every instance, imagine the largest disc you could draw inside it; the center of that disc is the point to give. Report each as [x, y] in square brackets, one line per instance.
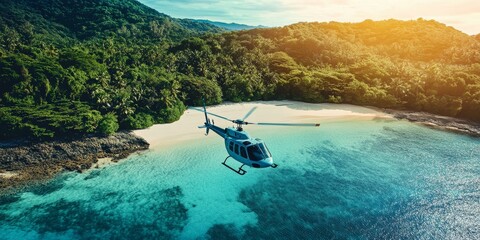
[288, 124]
[213, 114]
[249, 113]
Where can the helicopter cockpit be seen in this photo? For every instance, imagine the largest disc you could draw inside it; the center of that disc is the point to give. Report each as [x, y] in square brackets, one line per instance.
[257, 152]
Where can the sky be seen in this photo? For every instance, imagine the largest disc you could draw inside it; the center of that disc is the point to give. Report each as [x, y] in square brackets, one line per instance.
[463, 15]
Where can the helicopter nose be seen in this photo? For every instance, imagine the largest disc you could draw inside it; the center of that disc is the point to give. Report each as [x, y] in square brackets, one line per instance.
[269, 161]
[266, 162]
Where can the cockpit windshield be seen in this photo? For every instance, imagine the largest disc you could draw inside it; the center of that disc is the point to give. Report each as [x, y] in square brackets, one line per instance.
[265, 149]
[258, 152]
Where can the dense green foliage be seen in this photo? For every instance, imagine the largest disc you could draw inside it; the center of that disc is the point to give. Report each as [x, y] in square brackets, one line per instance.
[418, 65]
[108, 59]
[108, 125]
[85, 66]
[47, 120]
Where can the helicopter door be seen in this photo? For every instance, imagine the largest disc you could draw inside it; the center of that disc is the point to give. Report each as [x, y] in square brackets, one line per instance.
[236, 149]
[243, 152]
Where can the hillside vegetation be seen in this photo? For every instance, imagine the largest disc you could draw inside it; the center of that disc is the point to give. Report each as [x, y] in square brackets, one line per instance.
[87, 66]
[418, 65]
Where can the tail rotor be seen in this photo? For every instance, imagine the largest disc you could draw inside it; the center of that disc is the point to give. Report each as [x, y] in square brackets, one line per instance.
[208, 122]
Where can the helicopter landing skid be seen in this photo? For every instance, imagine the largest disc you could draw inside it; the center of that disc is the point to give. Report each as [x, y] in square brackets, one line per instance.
[240, 171]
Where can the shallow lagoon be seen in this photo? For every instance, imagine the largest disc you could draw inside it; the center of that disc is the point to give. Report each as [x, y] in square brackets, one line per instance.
[351, 179]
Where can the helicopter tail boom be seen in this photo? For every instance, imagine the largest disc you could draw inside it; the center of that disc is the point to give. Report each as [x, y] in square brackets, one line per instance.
[207, 121]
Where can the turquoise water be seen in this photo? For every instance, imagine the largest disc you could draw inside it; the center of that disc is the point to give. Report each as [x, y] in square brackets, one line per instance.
[349, 180]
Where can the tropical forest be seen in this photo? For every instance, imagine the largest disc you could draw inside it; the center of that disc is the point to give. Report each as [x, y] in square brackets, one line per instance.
[76, 67]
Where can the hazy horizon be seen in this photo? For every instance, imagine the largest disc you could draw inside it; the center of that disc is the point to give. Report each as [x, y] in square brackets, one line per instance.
[463, 15]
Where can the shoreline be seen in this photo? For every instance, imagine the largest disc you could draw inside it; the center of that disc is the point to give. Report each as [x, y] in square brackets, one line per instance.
[24, 163]
[186, 128]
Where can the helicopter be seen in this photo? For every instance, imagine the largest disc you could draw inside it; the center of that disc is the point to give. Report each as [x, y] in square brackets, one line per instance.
[240, 145]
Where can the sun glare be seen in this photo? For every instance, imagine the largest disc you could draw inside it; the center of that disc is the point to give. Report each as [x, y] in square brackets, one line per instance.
[463, 15]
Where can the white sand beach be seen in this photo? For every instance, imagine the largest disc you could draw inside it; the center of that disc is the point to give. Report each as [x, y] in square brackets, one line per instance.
[186, 128]
[8, 174]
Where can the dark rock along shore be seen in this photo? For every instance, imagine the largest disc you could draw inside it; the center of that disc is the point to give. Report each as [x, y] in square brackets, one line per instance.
[40, 161]
[440, 122]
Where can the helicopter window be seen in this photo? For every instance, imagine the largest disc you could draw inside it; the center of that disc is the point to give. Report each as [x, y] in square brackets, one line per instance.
[246, 143]
[243, 152]
[265, 149]
[231, 146]
[255, 153]
[236, 149]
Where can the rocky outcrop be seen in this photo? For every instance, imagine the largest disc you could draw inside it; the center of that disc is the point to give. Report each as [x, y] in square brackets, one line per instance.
[440, 122]
[26, 162]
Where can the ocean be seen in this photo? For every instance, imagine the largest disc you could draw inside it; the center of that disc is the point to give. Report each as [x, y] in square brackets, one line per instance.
[375, 179]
